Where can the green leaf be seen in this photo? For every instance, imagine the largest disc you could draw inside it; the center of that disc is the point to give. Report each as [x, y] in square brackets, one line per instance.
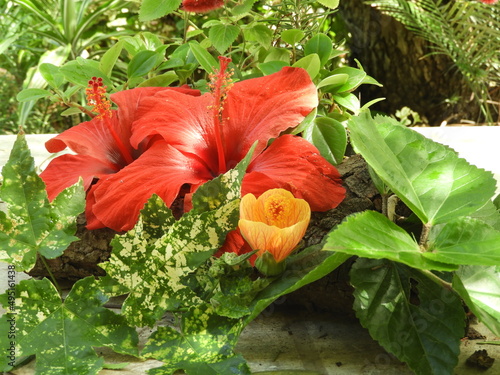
[242, 8]
[292, 36]
[259, 33]
[335, 81]
[272, 67]
[142, 63]
[162, 80]
[464, 241]
[428, 177]
[204, 58]
[32, 94]
[108, 60]
[153, 267]
[480, 288]
[310, 63]
[80, 71]
[31, 223]
[356, 77]
[51, 74]
[222, 36]
[62, 334]
[202, 346]
[412, 317]
[348, 101]
[278, 54]
[370, 234]
[321, 45]
[153, 9]
[330, 138]
[307, 266]
[332, 4]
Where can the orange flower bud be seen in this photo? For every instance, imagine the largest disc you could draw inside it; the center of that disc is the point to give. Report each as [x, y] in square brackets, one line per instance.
[275, 222]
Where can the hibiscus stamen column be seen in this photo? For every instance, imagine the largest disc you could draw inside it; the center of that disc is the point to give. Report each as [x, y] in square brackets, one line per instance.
[220, 84]
[96, 97]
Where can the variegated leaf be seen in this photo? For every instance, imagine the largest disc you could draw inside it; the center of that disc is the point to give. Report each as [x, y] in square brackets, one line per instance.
[31, 223]
[62, 334]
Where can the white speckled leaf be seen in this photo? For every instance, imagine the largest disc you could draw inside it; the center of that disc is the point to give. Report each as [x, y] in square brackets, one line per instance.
[153, 270]
[62, 334]
[31, 223]
[203, 345]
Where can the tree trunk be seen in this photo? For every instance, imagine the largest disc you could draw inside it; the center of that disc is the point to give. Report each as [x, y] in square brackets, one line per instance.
[398, 59]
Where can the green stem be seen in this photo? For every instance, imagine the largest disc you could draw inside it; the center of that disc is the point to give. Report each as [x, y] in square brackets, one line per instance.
[51, 275]
[437, 279]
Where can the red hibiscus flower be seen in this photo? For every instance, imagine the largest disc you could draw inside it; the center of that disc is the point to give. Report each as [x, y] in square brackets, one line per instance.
[204, 136]
[102, 145]
[201, 6]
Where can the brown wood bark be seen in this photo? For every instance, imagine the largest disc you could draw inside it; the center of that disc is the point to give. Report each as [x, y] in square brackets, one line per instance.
[399, 60]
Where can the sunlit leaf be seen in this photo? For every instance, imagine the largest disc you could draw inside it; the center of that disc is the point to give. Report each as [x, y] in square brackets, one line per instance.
[222, 36]
[153, 9]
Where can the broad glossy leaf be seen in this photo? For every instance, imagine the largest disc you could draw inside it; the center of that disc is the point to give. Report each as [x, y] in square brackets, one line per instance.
[320, 44]
[162, 80]
[51, 74]
[202, 346]
[310, 63]
[370, 234]
[330, 138]
[355, 79]
[292, 36]
[222, 36]
[348, 101]
[411, 316]
[80, 71]
[153, 9]
[31, 223]
[142, 63]
[204, 58]
[332, 4]
[62, 334]
[464, 241]
[480, 288]
[32, 94]
[428, 177]
[271, 67]
[278, 54]
[336, 80]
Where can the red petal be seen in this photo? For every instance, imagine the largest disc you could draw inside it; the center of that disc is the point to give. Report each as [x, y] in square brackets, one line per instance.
[129, 100]
[262, 108]
[184, 121]
[292, 163]
[161, 170]
[65, 170]
[201, 6]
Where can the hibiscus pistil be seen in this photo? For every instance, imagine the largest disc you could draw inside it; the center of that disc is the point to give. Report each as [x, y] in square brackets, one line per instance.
[220, 84]
[96, 97]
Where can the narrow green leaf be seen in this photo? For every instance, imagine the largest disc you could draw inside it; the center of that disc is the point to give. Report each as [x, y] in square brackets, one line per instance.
[204, 58]
[108, 60]
[320, 44]
[222, 36]
[330, 138]
[336, 80]
[480, 288]
[32, 94]
[310, 63]
[31, 223]
[428, 177]
[141, 64]
[292, 36]
[162, 80]
[72, 327]
[355, 79]
[412, 317]
[153, 9]
[464, 241]
[370, 234]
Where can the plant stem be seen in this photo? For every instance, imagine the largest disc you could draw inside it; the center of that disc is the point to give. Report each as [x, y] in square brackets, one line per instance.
[426, 228]
[437, 279]
[51, 275]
